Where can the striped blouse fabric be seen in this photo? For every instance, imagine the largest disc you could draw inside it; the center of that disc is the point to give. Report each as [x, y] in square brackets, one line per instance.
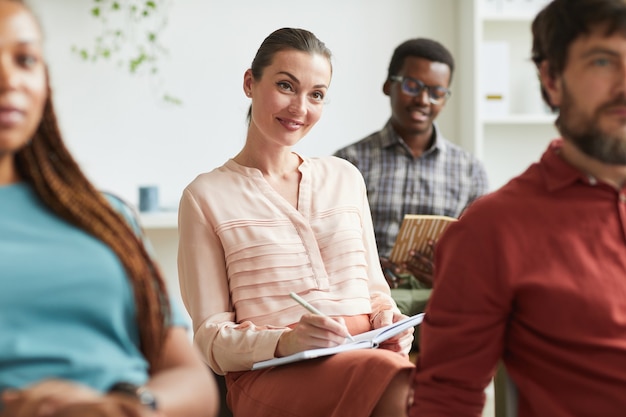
[243, 248]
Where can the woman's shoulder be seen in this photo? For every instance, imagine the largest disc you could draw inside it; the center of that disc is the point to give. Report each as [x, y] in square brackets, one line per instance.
[214, 179]
[334, 164]
[338, 173]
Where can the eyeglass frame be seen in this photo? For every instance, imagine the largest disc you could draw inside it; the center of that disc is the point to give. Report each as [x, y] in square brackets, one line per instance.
[430, 88]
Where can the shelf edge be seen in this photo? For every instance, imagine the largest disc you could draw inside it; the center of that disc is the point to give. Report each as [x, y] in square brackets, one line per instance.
[159, 220]
[520, 119]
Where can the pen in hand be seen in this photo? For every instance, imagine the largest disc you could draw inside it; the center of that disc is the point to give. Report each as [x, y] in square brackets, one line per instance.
[313, 310]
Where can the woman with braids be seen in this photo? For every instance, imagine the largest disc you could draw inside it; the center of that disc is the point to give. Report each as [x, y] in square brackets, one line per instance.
[270, 222]
[86, 328]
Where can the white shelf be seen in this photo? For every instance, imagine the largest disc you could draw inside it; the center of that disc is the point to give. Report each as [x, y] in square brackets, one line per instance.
[159, 220]
[520, 119]
[506, 144]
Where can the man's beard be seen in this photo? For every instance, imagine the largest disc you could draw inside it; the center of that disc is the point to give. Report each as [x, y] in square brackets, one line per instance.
[585, 133]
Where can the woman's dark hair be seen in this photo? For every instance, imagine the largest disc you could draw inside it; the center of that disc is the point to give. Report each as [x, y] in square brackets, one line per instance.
[420, 48]
[286, 39]
[47, 165]
[562, 21]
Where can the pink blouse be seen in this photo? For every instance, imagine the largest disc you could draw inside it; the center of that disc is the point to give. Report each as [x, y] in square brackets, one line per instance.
[243, 248]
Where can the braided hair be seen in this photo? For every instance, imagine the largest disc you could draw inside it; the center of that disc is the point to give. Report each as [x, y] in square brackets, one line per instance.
[47, 165]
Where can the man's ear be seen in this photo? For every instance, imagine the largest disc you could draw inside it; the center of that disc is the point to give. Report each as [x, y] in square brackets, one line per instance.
[551, 84]
[386, 87]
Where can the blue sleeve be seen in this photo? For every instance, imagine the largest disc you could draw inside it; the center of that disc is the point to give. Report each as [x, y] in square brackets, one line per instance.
[123, 208]
[177, 317]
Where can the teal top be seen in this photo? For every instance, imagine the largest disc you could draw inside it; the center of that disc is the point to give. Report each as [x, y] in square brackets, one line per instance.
[66, 305]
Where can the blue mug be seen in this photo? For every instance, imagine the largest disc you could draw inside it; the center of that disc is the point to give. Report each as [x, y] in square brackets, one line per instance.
[149, 198]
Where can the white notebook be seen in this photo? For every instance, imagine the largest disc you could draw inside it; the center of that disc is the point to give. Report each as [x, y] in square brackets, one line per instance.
[367, 340]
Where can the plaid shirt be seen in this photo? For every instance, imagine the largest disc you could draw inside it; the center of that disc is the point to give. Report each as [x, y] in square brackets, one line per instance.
[443, 181]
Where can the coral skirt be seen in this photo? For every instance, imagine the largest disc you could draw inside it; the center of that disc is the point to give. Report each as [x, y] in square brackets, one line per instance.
[346, 384]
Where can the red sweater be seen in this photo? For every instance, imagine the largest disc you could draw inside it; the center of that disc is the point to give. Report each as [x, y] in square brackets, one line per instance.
[533, 274]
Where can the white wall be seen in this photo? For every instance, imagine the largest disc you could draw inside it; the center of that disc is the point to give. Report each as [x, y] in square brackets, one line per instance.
[124, 136]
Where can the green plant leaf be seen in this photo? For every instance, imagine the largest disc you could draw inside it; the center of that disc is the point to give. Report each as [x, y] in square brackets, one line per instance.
[135, 63]
[133, 49]
[171, 99]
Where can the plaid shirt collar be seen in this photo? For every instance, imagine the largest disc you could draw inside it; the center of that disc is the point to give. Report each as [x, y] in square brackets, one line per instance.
[390, 138]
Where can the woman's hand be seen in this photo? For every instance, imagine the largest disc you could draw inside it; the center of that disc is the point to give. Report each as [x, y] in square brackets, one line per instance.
[111, 405]
[45, 398]
[59, 398]
[312, 332]
[400, 343]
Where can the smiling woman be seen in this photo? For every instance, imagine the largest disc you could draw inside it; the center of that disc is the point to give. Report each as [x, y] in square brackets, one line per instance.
[270, 222]
[289, 98]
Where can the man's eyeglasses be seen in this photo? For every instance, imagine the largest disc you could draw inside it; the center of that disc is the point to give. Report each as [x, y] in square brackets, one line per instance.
[412, 87]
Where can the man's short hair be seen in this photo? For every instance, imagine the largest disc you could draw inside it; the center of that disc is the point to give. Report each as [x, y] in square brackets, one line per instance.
[420, 48]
